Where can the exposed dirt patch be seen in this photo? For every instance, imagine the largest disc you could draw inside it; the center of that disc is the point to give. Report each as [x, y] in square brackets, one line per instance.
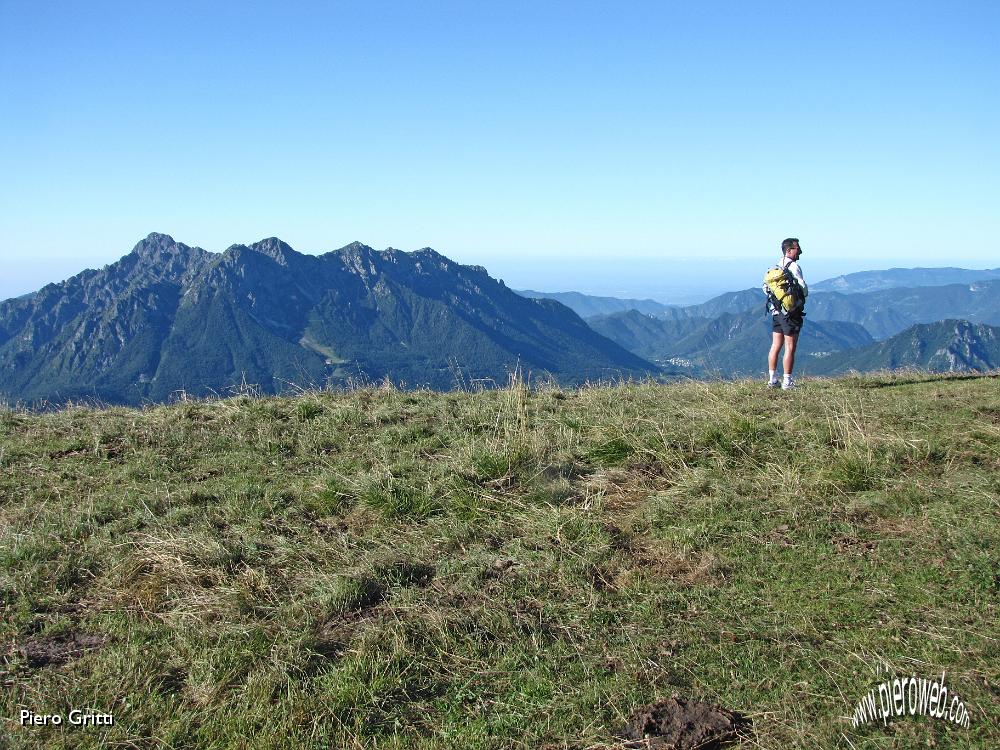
[993, 415]
[780, 536]
[851, 545]
[622, 490]
[498, 568]
[911, 526]
[44, 651]
[665, 562]
[335, 634]
[601, 578]
[619, 540]
[68, 453]
[683, 724]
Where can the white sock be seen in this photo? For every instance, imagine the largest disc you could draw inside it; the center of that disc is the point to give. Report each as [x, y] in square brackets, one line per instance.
[788, 377]
[771, 378]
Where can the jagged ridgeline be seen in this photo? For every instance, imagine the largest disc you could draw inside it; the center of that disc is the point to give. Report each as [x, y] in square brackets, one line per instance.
[168, 318]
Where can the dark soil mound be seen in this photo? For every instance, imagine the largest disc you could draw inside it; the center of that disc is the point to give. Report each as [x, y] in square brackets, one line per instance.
[682, 724]
[55, 650]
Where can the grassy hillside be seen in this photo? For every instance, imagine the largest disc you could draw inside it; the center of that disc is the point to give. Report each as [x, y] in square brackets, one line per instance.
[501, 569]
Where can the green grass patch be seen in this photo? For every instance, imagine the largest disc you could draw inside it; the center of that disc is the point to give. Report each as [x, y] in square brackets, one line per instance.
[510, 568]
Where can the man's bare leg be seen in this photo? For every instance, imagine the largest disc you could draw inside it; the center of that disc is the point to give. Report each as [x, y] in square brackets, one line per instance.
[777, 340]
[789, 359]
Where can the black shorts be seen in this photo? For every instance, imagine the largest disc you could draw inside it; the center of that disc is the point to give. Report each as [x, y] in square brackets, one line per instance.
[787, 324]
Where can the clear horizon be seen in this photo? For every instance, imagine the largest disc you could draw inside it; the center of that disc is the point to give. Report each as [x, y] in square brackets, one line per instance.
[594, 144]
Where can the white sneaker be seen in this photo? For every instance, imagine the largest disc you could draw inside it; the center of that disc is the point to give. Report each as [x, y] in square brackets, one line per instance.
[788, 385]
[774, 384]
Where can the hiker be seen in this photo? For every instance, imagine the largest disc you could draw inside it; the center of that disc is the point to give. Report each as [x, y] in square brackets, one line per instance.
[785, 326]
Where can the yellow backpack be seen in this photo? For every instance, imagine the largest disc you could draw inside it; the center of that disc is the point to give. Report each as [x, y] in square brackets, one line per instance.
[784, 290]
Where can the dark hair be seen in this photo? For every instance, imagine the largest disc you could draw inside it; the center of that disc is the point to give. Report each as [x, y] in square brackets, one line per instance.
[786, 245]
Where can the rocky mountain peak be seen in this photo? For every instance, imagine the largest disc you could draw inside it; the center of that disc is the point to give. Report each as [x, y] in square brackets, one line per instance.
[354, 250]
[154, 245]
[427, 258]
[272, 247]
[279, 251]
[429, 253]
[360, 258]
[160, 256]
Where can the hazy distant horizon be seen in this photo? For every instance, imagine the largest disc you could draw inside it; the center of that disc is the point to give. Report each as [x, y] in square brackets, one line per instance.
[666, 280]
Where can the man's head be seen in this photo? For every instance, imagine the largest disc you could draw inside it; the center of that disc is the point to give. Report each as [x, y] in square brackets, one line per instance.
[790, 247]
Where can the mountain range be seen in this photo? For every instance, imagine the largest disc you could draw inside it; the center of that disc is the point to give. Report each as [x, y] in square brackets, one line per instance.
[883, 312]
[863, 331]
[168, 317]
[891, 278]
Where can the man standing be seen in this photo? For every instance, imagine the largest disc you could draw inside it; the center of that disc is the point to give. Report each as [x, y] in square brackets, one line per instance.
[786, 326]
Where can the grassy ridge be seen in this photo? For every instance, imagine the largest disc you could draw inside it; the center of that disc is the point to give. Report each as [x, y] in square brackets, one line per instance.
[511, 568]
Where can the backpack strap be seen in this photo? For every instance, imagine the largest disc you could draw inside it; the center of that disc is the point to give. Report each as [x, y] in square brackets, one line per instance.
[771, 304]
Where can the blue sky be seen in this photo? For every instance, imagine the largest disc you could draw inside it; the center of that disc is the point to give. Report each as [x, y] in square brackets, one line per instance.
[606, 147]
